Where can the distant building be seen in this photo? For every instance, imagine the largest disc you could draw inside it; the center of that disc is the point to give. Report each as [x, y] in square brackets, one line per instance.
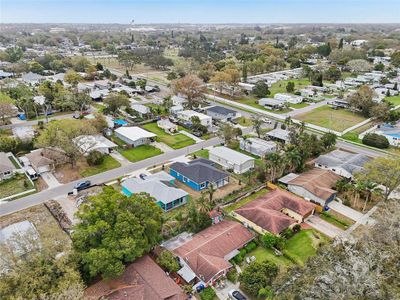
[278, 134]
[293, 99]
[187, 115]
[271, 103]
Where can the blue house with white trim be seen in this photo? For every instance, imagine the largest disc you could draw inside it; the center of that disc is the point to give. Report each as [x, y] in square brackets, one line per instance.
[198, 174]
[160, 186]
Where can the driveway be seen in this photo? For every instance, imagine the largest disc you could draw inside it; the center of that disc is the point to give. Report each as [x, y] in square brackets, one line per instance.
[117, 156]
[222, 293]
[163, 147]
[345, 210]
[324, 227]
[50, 180]
[192, 136]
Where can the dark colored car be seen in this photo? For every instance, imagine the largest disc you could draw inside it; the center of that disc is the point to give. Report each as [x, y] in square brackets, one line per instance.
[236, 295]
[82, 185]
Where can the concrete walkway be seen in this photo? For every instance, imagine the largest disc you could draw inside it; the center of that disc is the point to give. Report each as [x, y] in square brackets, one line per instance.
[163, 147]
[50, 180]
[192, 136]
[308, 108]
[117, 156]
[345, 210]
[324, 227]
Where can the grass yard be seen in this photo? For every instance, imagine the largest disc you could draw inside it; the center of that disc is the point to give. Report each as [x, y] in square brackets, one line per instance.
[394, 99]
[176, 141]
[140, 153]
[298, 105]
[202, 153]
[339, 221]
[280, 86]
[99, 107]
[327, 117]
[304, 245]
[15, 185]
[352, 136]
[242, 202]
[261, 254]
[251, 101]
[108, 164]
[245, 122]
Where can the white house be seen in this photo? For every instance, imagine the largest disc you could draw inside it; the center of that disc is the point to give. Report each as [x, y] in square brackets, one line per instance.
[231, 159]
[88, 143]
[257, 146]
[175, 109]
[142, 110]
[271, 103]
[288, 98]
[134, 136]
[167, 125]
[186, 115]
[177, 100]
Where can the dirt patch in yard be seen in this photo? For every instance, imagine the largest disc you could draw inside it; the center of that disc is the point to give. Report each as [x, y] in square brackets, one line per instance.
[40, 184]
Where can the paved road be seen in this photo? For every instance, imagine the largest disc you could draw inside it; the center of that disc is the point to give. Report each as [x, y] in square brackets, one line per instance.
[22, 203]
[34, 122]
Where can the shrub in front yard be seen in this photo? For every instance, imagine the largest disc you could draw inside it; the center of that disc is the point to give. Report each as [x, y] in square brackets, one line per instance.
[287, 233]
[375, 140]
[95, 158]
[250, 247]
[232, 275]
[168, 261]
[270, 240]
[258, 276]
[296, 228]
[207, 294]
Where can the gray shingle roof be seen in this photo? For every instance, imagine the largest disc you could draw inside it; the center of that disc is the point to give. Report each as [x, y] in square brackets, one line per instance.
[221, 110]
[199, 171]
[351, 162]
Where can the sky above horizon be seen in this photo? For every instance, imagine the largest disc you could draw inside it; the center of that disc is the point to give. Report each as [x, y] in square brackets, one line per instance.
[200, 11]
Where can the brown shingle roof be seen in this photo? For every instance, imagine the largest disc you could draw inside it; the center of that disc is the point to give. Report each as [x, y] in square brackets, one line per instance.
[206, 251]
[141, 280]
[318, 182]
[266, 210]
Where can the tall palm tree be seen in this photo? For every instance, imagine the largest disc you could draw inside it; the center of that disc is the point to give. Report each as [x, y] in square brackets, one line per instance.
[293, 159]
[370, 188]
[210, 191]
[202, 205]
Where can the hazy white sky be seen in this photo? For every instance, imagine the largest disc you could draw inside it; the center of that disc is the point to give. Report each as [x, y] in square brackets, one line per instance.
[200, 11]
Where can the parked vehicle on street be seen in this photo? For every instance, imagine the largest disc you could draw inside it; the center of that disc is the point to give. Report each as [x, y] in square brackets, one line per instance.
[82, 185]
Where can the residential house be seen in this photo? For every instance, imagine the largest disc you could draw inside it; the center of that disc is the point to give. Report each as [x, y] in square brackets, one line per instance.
[315, 185]
[174, 110]
[45, 159]
[160, 186]
[167, 125]
[134, 136]
[143, 279]
[221, 113]
[293, 99]
[89, 143]
[4, 74]
[342, 163]
[99, 95]
[177, 100]
[271, 103]
[186, 115]
[339, 103]
[199, 174]
[206, 255]
[231, 159]
[257, 146]
[7, 168]
[141, 109]
[274, 212]
[278, 134]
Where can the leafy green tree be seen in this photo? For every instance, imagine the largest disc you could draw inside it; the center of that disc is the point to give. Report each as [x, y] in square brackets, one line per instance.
[261, 89]
[395, 59]
[328, 140]
[362, 100]
[257, 276]
[376, 140]
[72, 77]
[167, 261]
[14, 54]
[290, 87]
[332, 74]
[115, 101]
[115, 230]
[324, 50]
[6, 107]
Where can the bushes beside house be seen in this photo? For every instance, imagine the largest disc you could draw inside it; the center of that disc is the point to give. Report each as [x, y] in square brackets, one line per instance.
[95, 158]
[375, 140]
[207, 294]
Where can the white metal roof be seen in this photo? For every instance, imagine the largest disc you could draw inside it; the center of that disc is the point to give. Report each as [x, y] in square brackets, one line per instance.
[134, 133]
[230, 155]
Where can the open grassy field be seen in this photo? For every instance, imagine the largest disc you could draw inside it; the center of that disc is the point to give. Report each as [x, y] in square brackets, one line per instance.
[176, 141]
[327, 117]
[15, 185]
[261, 254]
[108, 164]
[280, 86]
[140, 153]
[246, 122]
[202, 153]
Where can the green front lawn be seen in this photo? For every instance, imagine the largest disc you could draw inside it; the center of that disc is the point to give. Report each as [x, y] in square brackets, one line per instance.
[108, 164]
[176, 141]
[394, 99]
[298, 105]
[342, 223]
[202, 153]
[335, 119]
[244, 201]
[304, 245]
[245, 122]
[251, 101]
[280, 86]
[15, 185]
[140, 152]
